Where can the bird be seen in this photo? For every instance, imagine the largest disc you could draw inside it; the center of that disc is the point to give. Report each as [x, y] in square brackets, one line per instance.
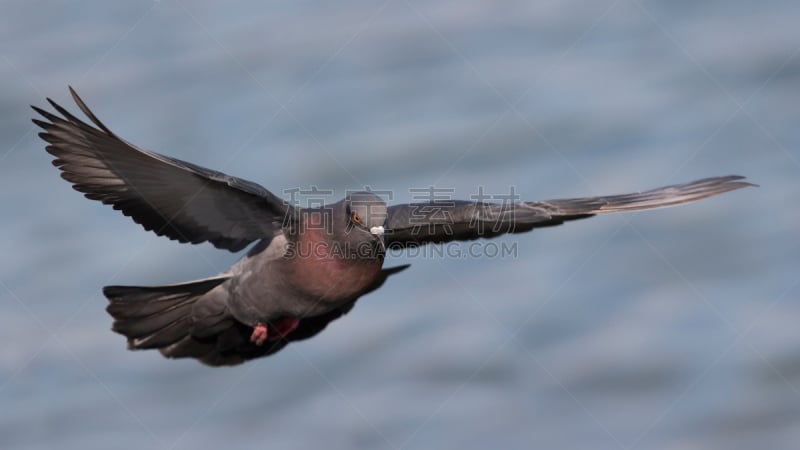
[306, 267]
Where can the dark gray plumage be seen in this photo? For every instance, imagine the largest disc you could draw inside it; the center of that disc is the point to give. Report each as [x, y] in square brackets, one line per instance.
[446, 221]
[308, 267]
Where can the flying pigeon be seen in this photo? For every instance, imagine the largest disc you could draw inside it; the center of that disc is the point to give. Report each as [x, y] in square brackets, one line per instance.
[308, 266]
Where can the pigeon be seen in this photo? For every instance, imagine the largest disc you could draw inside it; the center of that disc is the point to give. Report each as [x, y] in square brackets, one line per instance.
[307, 267]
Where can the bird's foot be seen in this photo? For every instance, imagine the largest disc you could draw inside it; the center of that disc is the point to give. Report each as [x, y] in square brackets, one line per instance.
[259, 335]
[283, 327]
[276, 331]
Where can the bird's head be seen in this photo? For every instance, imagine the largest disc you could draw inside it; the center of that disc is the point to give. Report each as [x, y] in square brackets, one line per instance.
[362, 223]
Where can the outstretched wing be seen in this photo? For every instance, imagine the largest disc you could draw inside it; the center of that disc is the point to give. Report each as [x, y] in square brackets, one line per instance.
[170, 197]
[417, 224]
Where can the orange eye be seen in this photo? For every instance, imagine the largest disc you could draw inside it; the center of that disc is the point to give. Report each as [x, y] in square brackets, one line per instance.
[356, 218]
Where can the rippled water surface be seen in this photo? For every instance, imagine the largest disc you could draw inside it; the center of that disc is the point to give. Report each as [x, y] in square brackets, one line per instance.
[672, 329]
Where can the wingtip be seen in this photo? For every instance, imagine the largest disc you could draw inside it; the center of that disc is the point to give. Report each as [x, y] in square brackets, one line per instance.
[53, 103]
[41, 123]
[37, 109]
[719, 185]
[85, 109]
[44, 113]
[74, 95]
[738, 180]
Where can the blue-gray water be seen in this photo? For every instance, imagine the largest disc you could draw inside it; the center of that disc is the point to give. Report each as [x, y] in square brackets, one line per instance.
[671, 329]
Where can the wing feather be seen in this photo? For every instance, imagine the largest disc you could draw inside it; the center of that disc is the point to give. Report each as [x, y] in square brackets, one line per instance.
[170, 197]
[417, 224]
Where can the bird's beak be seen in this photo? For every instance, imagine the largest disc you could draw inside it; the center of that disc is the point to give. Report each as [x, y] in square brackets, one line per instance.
[379, 233]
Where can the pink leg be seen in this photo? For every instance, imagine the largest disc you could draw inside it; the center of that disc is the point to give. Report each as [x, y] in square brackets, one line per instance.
[259, 335]
[284, 327]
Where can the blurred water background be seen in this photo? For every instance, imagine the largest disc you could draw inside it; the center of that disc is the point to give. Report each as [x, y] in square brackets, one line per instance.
[672, 329]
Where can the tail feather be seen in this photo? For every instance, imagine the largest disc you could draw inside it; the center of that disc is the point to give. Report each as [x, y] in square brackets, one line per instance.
[156, 316]
[139, 327]
[189, 347]
[163, 336]
[135, 305]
